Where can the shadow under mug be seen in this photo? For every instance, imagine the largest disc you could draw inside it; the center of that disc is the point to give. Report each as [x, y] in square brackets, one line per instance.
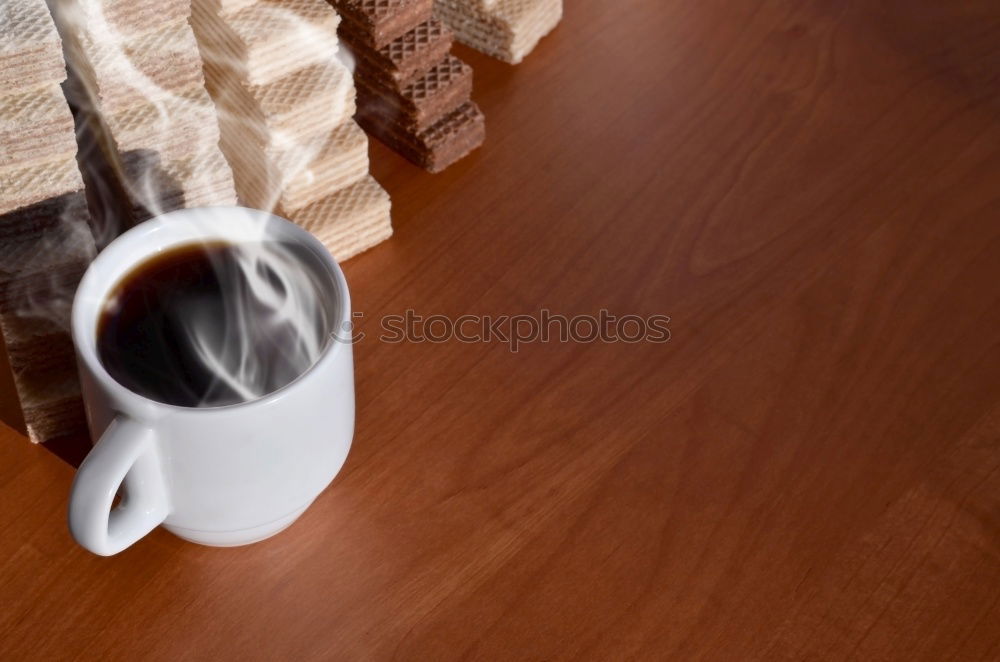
[222, 476]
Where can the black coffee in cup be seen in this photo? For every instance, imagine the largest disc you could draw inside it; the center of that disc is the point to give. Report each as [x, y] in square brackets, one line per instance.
[213, 324]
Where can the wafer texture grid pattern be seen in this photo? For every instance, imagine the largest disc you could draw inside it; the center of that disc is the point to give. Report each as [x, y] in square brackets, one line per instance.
[286, 104]
[142, 90]
[505, 29]
[45, 236]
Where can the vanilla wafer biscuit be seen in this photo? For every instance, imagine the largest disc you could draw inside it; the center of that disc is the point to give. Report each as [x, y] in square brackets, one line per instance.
[155, 65]
[155, 186]
[33, 124]
[43, 371]
[175, 127]
[139, 86]
[37, 148]
[318, 96]
[309, 166]
[45, 246]
[22, 185]
[125, 18]
[267, 40]
[295, 114]
[30, 49]
[256, 178]
[45, 236]
[349, 221]
[505, 29]
[341, 162]
[167, 156]
[227, 7]
[55, 412]
[285, 105]
[36, 304]
[287, 131]
[312, 94]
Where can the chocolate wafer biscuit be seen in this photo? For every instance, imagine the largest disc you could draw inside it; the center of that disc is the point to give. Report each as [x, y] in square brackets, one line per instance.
[420, 104]
[436, 147]
[417, 105]
[380, 22]
[406, 58]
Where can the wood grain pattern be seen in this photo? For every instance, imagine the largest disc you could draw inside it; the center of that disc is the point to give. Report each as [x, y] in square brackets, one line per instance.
[808, 470]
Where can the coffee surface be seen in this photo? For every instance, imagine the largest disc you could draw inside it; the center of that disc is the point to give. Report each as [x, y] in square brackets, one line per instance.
[212, 324]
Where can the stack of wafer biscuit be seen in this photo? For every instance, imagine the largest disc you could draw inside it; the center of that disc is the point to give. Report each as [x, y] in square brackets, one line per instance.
[413, 94]
[141, 86]
[505, 29]
[285, 104]
[45, 237]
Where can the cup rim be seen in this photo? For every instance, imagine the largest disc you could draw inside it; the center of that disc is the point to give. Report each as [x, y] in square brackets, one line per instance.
[92, 292]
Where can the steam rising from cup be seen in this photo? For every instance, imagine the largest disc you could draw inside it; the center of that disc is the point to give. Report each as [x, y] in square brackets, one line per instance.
[271, 328]
[221, 320]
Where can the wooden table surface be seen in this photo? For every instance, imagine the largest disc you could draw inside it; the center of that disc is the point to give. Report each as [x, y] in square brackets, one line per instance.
[807, 470]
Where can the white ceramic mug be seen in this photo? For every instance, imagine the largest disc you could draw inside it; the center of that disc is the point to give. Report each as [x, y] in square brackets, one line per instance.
[221, 476]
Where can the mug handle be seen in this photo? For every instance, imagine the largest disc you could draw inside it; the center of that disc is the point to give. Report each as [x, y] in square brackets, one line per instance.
[125, 455]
